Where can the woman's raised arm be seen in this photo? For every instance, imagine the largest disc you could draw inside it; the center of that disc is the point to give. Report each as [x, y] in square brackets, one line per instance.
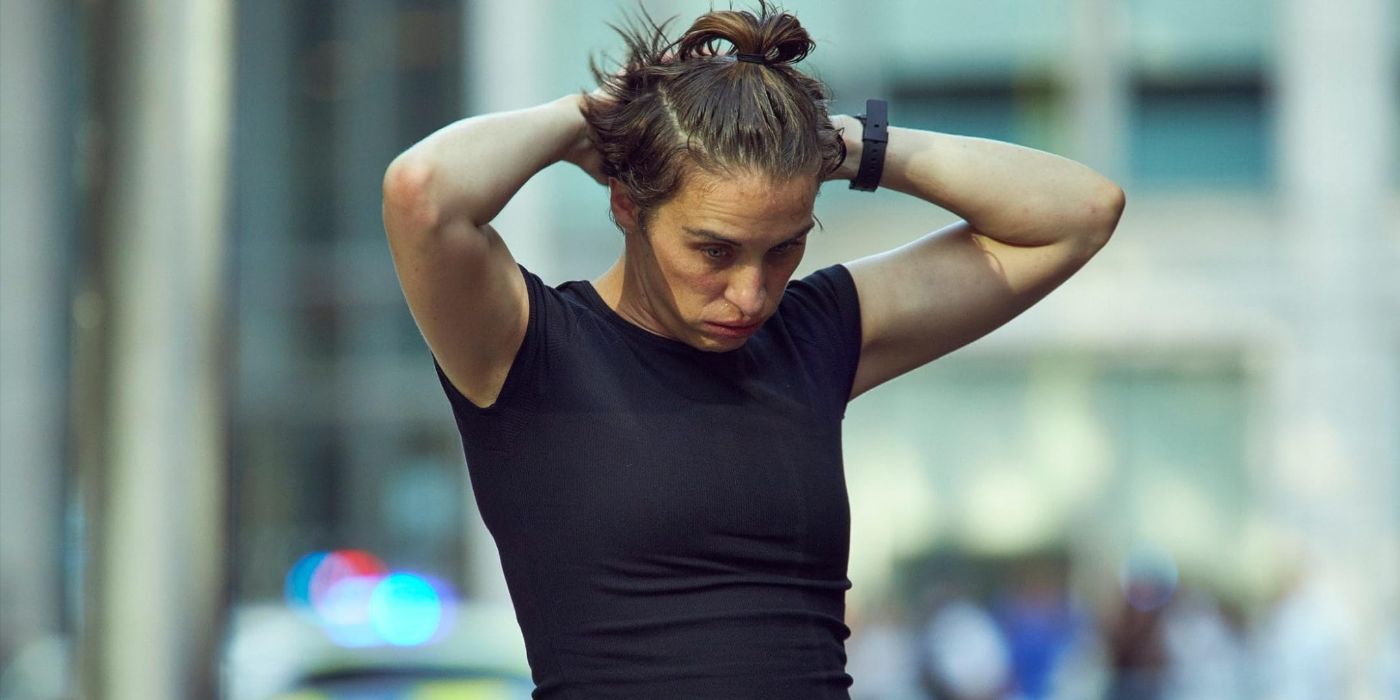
[459, 278]
[1030, 220]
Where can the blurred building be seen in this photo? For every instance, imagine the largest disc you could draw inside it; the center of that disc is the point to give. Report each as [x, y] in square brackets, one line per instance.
[1222, 383]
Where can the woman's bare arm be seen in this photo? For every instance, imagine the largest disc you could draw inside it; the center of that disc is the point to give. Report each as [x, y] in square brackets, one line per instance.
[1030, 220]
[459, 278]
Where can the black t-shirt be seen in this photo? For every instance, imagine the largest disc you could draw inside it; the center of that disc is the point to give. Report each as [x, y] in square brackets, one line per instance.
[673, 523]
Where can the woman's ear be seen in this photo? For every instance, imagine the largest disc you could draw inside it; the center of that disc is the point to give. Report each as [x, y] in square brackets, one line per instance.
[624, 210]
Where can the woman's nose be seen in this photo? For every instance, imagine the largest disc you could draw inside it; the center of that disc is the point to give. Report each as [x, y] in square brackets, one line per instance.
[747, 292]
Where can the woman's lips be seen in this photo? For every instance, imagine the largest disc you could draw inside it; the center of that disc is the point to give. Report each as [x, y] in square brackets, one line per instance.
[729, 331]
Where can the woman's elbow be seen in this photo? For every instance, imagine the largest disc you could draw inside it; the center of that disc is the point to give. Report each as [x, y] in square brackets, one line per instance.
[1105, 210]
[407, 192]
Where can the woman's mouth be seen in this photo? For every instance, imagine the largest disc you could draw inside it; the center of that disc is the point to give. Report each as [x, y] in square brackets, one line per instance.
[733, 330]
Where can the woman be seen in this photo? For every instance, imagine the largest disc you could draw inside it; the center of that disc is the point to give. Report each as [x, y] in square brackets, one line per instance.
[657, 451]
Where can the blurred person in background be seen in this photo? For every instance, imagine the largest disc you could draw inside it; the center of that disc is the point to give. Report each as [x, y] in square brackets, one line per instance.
[1043, 627]
[1300, 644]
[657, 451]
[1204, 648]
[881, 655]
[965, 656]
[1137, 654]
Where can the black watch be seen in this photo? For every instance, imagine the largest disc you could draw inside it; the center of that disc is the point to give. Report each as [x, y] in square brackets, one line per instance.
[874, 137]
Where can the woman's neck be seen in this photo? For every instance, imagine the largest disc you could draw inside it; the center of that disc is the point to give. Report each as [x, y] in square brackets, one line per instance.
[621, 289]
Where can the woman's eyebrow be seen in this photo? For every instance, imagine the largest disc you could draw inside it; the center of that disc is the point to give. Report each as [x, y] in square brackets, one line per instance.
[804, 231]
[713, 236]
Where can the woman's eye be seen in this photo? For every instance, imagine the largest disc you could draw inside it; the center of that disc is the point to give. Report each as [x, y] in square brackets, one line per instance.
[785, 248]
[714, 253]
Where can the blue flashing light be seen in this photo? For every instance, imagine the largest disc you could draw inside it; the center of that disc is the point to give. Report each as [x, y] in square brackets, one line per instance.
[406, 609]
[298, 584]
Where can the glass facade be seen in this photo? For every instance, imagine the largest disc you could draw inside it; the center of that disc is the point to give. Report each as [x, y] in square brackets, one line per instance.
[340, 439]
[1201, 134]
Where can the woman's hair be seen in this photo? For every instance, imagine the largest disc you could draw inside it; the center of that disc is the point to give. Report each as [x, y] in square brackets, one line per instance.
[681, 104]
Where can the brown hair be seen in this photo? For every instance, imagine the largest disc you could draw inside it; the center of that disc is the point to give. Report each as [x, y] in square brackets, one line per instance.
[681, 104]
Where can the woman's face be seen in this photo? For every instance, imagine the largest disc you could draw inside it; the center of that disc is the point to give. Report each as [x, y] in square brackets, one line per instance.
[711, 264]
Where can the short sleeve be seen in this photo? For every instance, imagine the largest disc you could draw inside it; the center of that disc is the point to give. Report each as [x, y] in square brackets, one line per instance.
[543, 328]
[822, 313]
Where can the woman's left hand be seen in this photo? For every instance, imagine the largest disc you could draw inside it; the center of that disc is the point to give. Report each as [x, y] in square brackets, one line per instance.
[852, 133]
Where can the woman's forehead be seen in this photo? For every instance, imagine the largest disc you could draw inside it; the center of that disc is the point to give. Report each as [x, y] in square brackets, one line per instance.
[700, 181]
[755, 199]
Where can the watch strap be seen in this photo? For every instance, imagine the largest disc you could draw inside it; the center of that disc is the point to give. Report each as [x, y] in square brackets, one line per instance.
[874, 138]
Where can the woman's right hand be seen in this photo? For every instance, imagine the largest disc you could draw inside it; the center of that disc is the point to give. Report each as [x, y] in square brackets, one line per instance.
[582, 152]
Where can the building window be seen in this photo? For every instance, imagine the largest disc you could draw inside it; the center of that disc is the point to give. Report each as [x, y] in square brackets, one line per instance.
[1207, 131]
[1025, 110]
